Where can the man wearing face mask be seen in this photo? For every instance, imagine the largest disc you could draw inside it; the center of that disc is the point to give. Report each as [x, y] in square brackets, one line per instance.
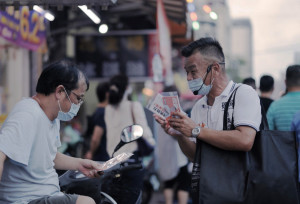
[206, 75]
[29, 139]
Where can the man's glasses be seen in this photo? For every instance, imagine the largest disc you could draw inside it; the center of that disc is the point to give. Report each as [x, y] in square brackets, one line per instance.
[79, 98]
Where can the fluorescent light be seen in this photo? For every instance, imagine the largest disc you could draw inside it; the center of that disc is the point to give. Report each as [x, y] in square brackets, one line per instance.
[49, 16]
[103, 28]
[38, 9]
[90, 14]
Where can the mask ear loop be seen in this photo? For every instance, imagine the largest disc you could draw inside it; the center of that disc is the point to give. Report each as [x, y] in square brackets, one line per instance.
[211, 80]
[59, 105]
[208, 70]
[67, 95]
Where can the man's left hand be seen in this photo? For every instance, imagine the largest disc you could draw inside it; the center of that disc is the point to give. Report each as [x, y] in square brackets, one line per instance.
[181, 122]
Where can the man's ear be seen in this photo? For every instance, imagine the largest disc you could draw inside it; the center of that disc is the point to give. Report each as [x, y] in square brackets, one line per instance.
[59, 92]
[217, 68]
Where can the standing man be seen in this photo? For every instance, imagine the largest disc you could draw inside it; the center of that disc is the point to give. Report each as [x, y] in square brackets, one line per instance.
[266, 87]
[205, 68]
[282, 111]
[29, 139]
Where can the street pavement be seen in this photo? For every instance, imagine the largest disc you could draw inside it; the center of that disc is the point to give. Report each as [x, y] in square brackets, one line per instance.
[157, 198]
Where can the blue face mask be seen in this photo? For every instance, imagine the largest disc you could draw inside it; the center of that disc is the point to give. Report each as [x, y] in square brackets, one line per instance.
[71, 113]
[198, 87]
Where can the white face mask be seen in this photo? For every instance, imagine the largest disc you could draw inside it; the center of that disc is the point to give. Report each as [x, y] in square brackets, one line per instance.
[71, 113]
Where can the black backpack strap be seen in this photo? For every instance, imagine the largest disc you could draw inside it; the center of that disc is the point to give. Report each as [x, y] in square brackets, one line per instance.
[226, 110]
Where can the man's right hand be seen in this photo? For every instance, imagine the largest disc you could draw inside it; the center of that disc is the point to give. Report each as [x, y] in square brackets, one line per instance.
[166, 127]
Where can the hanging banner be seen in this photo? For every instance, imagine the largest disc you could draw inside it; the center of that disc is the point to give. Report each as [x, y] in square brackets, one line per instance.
[165, 42]
[23, 27]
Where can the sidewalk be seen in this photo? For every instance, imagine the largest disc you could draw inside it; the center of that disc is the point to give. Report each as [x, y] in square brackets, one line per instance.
[157, 198]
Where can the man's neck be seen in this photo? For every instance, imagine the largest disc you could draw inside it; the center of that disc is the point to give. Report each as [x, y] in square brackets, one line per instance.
[293, 89]
[102, 104]
[266, 94]
[46, 104]
[216, 90]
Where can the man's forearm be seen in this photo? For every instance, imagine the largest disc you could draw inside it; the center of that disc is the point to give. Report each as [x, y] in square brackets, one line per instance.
[64, 162]
[240, 139]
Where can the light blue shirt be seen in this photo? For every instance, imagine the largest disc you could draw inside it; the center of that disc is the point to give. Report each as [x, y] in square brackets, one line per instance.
[281, 112]
[30, 141]
[296, 127]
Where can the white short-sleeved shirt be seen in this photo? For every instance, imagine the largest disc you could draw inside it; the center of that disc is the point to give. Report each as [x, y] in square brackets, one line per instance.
[30, 141]
[247, 110]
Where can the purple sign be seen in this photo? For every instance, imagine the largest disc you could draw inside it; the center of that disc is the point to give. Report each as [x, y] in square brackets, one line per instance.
[23, 27]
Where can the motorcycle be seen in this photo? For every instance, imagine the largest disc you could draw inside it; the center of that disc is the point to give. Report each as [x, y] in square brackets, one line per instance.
[74, 182]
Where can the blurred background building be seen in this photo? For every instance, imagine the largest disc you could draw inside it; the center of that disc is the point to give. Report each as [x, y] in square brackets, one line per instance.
[140, 38]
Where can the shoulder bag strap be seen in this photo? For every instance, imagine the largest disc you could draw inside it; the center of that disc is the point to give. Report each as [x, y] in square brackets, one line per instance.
[226, 110]
[264, 122]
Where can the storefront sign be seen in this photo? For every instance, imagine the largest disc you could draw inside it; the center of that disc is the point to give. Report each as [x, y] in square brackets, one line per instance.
[23, 27]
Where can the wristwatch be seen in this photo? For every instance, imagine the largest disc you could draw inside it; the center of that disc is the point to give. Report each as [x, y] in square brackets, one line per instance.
[196, 131]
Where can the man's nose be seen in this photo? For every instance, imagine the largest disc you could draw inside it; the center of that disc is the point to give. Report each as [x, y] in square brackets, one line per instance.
[189, 77]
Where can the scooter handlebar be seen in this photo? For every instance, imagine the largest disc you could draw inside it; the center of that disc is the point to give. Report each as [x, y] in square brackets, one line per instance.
[132, 166]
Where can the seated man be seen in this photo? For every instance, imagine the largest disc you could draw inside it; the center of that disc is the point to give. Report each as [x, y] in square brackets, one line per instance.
[29, 139]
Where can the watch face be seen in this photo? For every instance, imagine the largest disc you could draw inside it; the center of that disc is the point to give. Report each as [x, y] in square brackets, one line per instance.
[196, 131]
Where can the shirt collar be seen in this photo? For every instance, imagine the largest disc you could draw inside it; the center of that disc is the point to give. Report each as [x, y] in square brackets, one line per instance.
[229, 88]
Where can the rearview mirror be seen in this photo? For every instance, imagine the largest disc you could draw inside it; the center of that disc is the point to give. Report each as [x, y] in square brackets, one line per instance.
[131, 133]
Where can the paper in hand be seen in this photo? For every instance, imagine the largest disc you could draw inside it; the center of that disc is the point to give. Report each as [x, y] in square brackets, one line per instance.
[114, 161]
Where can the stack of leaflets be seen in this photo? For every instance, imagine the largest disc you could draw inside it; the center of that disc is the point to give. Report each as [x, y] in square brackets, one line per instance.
[164, 104]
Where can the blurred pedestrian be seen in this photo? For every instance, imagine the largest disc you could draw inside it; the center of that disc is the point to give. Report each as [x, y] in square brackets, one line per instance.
[295, 126]
[266, 87]
[250, 81]
[173, 171]
[97, 149]
[121, 113]
[118, 115]
[281, 112]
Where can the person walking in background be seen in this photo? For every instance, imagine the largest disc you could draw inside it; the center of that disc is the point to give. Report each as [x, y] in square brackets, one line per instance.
[266, 87]
[281, 112]
[98, 150]
[29, 139]
[172, 164]
[120, 113]
[250, 81]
